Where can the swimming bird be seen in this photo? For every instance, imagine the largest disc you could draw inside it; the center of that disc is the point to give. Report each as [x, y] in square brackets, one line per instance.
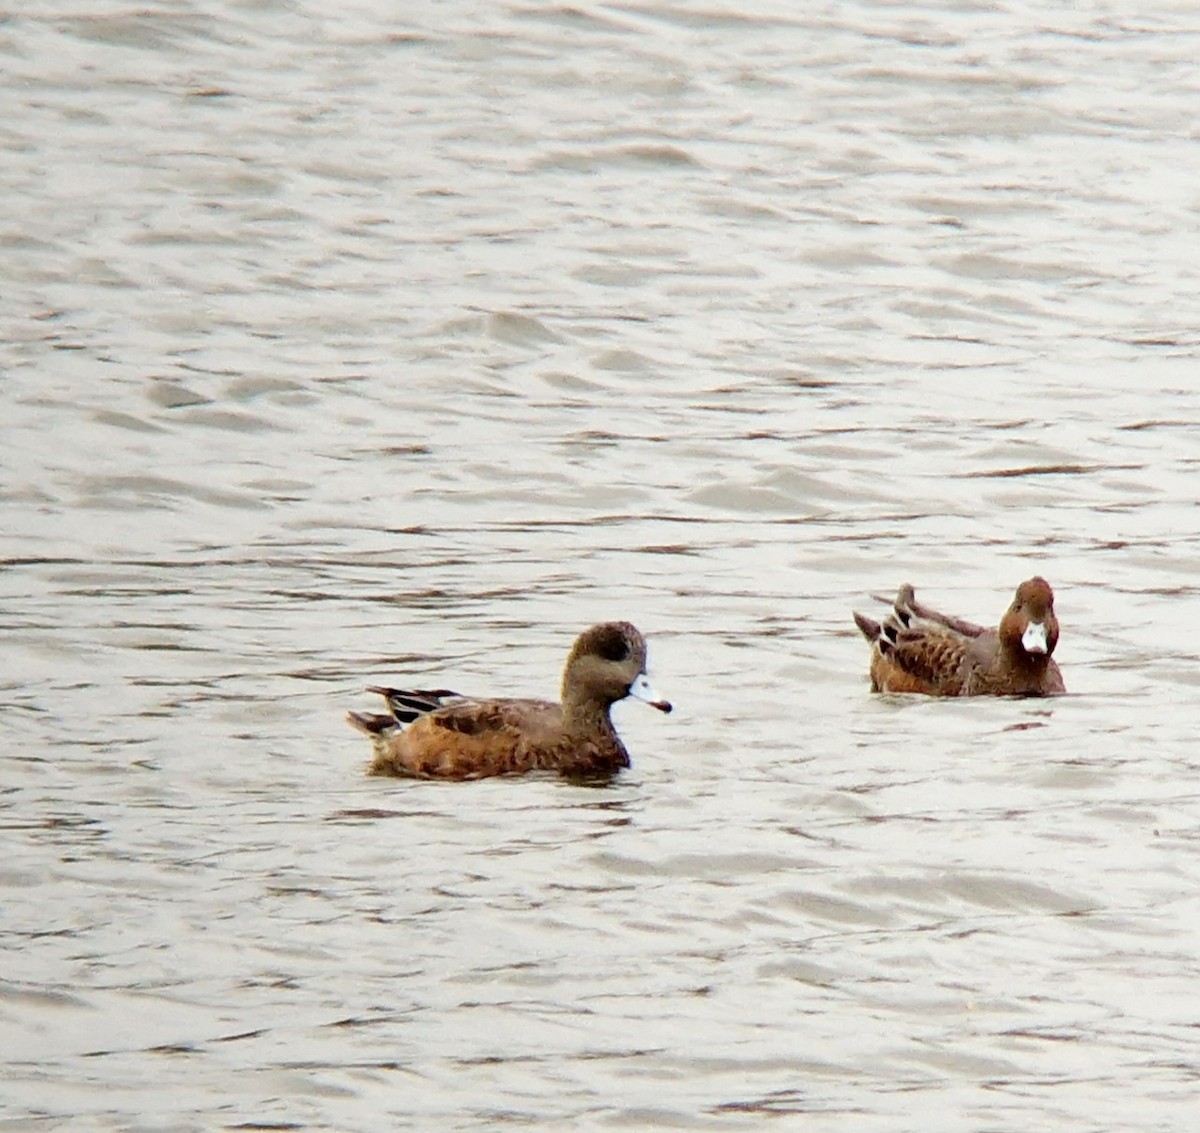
[438, 734]
[916, 649]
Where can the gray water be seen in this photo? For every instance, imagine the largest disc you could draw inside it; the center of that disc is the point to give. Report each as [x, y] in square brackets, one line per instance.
[360, 343]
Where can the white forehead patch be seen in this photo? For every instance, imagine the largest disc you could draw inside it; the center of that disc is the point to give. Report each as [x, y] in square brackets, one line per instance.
[1034, 638]
[642, 689]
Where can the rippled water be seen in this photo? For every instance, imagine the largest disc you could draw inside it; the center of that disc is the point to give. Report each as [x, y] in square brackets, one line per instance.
[402, 342]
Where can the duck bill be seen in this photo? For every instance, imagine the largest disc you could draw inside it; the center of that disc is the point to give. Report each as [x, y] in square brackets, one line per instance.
[1034, 639]
[643, 690]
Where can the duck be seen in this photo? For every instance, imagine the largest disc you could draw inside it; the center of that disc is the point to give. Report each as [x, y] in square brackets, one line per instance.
[916, 649]
[440, 734]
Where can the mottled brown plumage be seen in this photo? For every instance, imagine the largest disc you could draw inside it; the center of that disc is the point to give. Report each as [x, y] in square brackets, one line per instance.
[437, 734]
[916, 649]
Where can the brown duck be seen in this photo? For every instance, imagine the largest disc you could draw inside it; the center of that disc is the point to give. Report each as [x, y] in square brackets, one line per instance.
[437, 734]
[916, 649]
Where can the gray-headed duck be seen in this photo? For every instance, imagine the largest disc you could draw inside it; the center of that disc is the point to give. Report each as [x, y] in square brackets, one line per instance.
[916, 649]
[437, 734]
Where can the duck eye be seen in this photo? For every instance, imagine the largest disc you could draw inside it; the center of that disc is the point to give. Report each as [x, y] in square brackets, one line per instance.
[613, 647]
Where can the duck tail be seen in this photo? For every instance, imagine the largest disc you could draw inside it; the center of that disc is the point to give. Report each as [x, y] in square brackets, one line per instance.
[372, 723]
[869, 629]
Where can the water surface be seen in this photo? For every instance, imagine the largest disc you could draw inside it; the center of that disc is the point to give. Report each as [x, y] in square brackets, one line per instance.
[400, 344]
